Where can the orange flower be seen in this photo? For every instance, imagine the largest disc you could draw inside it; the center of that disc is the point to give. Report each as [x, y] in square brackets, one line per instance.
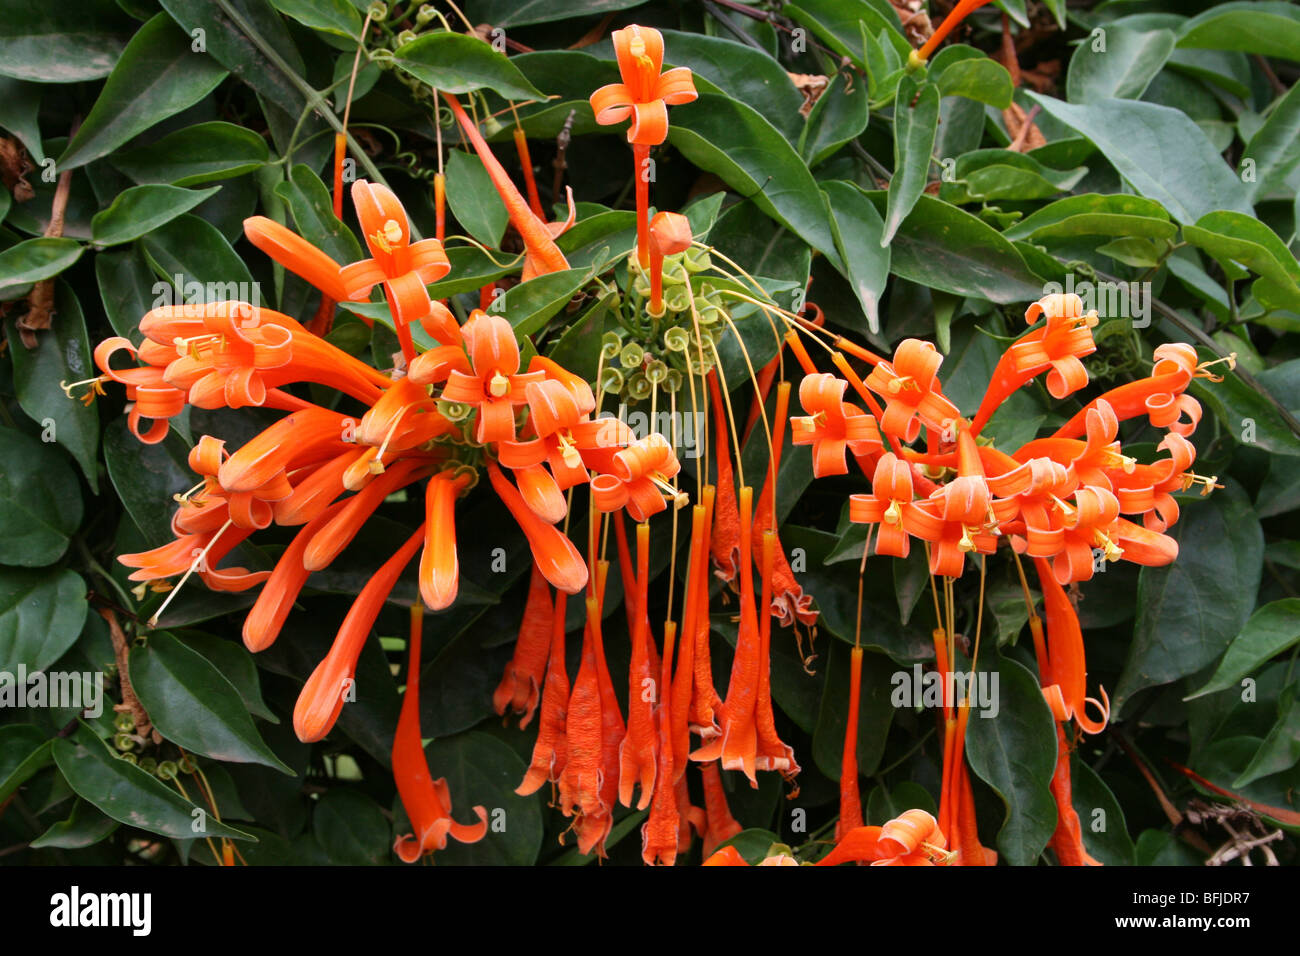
[670, 233]
[427, 801]
[404, 267]
[910, 839]
[551, 751]
[638, 753]
[322, 697]
[832, 425]
[297, 255]
[958, 13]
[521, 684]
[543, 255]
[554, 553]
[495, 386]
[645, 92]
[910, 387]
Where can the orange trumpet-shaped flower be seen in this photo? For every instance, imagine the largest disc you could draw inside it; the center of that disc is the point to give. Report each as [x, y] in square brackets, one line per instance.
[495, 387]
[725, 537]
[593, 731]
[1147, 490]
[850, 796]
[738, 744]
[426, 801]
[554, 553]
[889, 502]
[1055, 348]
[911, 839]
[439, 566]
[1067, 838]
[910, 387]
[958, 13]
[772, 753]
[551, 751]
[297, 255]
[661, 833]
[1062, 670]
[404, 267]
[521, 684]
[638, 754]
[720, 825]
[670, 233]
[645, 93]
[544, 256]
[832, 425]
[1160, 396]
[329, 685]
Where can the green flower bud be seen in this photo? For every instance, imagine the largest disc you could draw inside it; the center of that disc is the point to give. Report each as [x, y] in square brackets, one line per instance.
[678, 298]
[378, 11]
[638, 387]
[124, 721]
[656, 371]
[632, 355]
[123, 741]
[677, 339]
[611, 379]
[672, 381]
[128, 757]
[403, 38]
[610, 345]
[696, 260]
[167, 770]
[148, 764]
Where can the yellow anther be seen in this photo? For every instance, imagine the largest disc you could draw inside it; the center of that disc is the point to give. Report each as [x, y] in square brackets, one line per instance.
[1113, 551]
[894, 513]
[967, 543]
[498, 385]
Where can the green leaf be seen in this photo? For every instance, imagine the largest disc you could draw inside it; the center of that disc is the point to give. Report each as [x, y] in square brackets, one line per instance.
[989, 174]
[947, 248]
[195, 250]
[1274, 149]
[455, 63]
[471, 269]
[916, 122]
[33, 260]
[1190, 610]
[40, 501]
[729, 139]
[193, 705]
[62, 354]
[61, 42]
[838, 117]
[1246, 414]
[24, 749]
[313, 214]
[352, 830]
[520, 13]
[1271, 630]
[84, 827]
[1269, 29]
[858, 230]
[41, 614]
[529, 305]
[1280, 750]
[875, 714]
[236, 665]
[474, 201]
[840, 24]
[1105, 832]
[1235, 237]
[158, 75]
[146, 476]
[129, 795]
[1095, 214]
[1159, 150]
[197, 154]
[20, 103]
[1123, 69]
[1015, 754]
[737, 70]
[976, 78]
[331, 16]
[142, 209]
[482, 771]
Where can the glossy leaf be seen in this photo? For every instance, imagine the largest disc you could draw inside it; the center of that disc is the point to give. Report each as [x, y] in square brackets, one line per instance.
[193, 705]
[1126, 63]
[142, 209]
[916, 121]
[158, 75]
[41, 614]
[1271, 630]
[202, 153]
[129, 795]
[1189, 611]
[454, 63]
[61, 43]
[40, 501]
